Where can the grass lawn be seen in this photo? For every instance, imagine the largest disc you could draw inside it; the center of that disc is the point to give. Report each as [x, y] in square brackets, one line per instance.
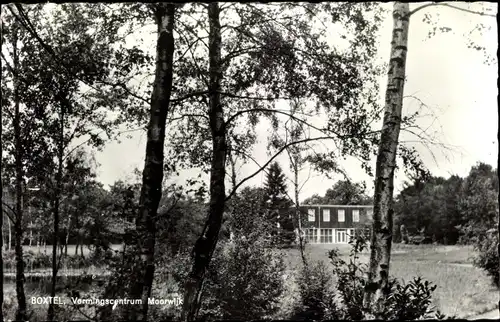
[462, 290]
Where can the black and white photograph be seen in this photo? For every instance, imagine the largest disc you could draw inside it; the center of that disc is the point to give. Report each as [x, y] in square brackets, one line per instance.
[211, 161]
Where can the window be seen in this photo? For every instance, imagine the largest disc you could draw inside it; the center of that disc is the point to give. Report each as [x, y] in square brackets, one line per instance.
[355, 215]
[342, 236]
[326, 215]
[326, 236]
[341, 215]
[369, 213]
[312, 214]
[311, 235]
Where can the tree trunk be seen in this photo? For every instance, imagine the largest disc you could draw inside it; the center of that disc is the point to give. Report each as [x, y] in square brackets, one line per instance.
[56, 209]
[152, 175]
[297, 207]
[205, 245]
[10, 235]
[31, 233]
[67, 237]
[18, 223]
[1, 225]
[386, 162]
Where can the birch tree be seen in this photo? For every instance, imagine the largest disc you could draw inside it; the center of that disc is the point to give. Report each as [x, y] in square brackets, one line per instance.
[152, 176]
[55, 112]
[265, 45]
[381, 240]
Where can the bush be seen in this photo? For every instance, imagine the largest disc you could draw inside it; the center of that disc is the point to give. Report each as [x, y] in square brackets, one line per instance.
[405, 301]
[316, 300]
[487, 257]
[245, 279]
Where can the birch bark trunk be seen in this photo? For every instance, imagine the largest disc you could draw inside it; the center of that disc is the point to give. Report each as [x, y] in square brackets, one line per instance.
[21, 313]
[381, 239]
[152, 175]
[205, 245]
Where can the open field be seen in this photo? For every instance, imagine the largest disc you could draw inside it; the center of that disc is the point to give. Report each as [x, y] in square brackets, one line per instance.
[462, 290]
[71, 249]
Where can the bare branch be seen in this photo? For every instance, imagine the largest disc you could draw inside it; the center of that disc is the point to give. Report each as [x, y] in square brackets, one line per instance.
[449, 6]
[283, 148]
[254, 97]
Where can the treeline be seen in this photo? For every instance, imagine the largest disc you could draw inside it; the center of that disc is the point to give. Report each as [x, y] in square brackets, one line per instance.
[452, 210]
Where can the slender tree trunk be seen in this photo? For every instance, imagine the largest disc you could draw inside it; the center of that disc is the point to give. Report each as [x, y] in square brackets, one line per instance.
[38, 243]
[386, 162]
[297, 208]
[56, 209]
[18, 223]
[205, 245]
[67, 237]
[152, 175]
[1, 239]
[1, 219]
[10, 235]
[31, 233]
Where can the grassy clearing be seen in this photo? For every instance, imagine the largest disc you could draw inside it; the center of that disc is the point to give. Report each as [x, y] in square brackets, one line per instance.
[71, 249]
[463, 290]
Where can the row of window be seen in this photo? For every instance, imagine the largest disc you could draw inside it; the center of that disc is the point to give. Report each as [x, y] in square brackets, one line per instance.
[327, 236]
[326, 215]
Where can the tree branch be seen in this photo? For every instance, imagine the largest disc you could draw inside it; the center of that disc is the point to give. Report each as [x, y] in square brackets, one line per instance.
[449, 6]
[126, 89]
[189, 95]
[283, 148]
[11, 210]
[254, 97]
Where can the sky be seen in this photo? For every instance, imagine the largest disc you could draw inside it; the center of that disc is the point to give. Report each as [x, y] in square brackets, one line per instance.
[459, 90]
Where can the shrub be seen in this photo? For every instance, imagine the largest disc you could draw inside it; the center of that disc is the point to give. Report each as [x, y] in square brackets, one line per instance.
[245, 279]
[487, 257]
[404, 301]
[316, 301]
[42, 260]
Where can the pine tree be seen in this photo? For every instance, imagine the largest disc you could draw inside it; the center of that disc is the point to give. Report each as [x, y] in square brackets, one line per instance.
[278, 204]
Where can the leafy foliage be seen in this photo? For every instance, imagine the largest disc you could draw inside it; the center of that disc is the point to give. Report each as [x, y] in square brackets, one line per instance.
[245, 279]
[277, 203]
[316, 295]
[487, 257]
[344, 300]
[450, 210]
[343, 192]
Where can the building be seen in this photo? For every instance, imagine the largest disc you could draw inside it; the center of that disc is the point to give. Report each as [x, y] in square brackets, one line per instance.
[334, 224]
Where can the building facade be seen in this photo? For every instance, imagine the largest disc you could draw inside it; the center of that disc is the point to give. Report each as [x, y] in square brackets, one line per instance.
[334, 224]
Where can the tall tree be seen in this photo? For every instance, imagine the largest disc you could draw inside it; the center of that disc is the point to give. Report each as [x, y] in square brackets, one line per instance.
[18, 223]
[479, 205]
[152, 176]
[1, 192]
[378, 275]
[260, 44]
[386, 160]
[205, 245]
[56, 110]
[278, 203]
